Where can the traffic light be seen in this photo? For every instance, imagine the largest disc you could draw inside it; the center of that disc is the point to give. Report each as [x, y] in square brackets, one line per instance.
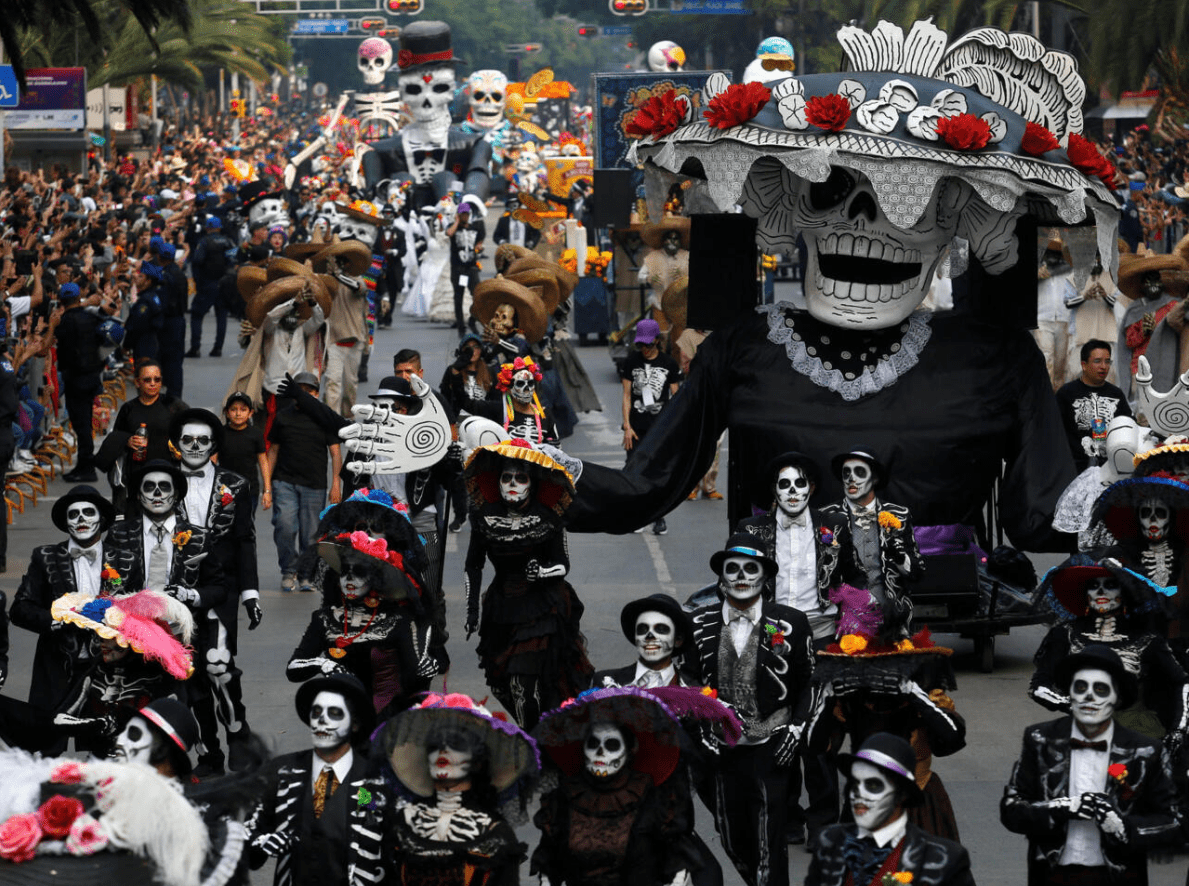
[388, 33]
[532, 47]
[628, 7]
[405, 7]
[371, 24]
[589, 30]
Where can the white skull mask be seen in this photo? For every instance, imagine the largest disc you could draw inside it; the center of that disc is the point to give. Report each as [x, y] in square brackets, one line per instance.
[864, 272]
[872, 794]
[503, 321]
[857, 479]
[1154, 517]
[135, 743]
[428, 94]
[605, 750]
[1093, 697]
[448, 762]
[656, 637]
[742, 577]
[269, 211]
[792, 490]
[157, 494]
[489, 96]
[523, 386]
[515, 485]
[82, 521]
[374, 60]
[355, 578]
[1103, 594]
[350, 229]
[330, 720]
[197, 443]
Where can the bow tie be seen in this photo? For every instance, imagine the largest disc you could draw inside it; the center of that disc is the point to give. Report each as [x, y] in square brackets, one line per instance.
[88, 554]
[194, 473]
[737, 615]
[863, 857]
[438, 155]
[1078, 745]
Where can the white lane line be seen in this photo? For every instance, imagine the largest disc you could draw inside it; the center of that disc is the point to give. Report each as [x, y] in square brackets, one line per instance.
[664, 579]
[451, 542]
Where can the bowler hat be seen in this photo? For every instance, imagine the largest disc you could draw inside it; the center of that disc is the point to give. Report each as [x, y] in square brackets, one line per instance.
[1102, 658]
[107, 513]
[893, 755]
[664, 604]
[347, 685]
[204, 416]
[743, 544]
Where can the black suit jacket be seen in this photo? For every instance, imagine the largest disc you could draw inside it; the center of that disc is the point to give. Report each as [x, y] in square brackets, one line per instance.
[231, 530]
[468, 158]
[931, 860]
[1147, 799]
[626, 676]
[829, 553]
[123, 550]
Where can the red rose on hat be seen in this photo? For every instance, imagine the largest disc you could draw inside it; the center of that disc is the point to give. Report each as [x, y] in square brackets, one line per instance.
[1087, 158]
[658, 116]
[19, 837]
[1037, 140]
[57, 814]
[829, 112]
[736, 104]
[964, 132]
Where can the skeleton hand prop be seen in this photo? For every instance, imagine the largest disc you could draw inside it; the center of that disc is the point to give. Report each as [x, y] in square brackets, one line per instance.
[398, 443]
[682, 879]
[1065, 808]
[189, 596]
[534, 571]
[1167, 413]
[74, 725]
[1103, 810]
[275, 844]
[786, 750]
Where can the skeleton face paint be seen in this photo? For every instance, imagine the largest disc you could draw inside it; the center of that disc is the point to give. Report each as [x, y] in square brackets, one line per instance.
[872, 794]
[671, 243]
[1093, 697]
[197, 443]
[605, 750]
[1151, 285]
[1103, 594]
[447, 764]
[374, 59]
[655, 637]
[1154, 517]
[82, 522]
[270, 211]
[330, 720]
[503, 321]
[355, 579]
[135, 743]
[742, 577]
[863, 271]
[792, 491]
[157, 494]
[428, 94]
[489, 91]
[515, 485]
[523, 386]
[858, 480]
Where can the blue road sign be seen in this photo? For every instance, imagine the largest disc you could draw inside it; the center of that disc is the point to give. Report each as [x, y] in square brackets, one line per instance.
[617, 30]
[10, 95]
[709, 7]
[322, 26]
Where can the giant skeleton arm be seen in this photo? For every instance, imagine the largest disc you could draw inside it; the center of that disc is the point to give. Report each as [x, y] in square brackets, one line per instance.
[1167, 412]
[395, 443]
[317, 144]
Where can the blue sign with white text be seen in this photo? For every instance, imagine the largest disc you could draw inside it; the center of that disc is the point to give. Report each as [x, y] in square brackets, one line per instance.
[709, 7]
[10, 95]
[322, 26]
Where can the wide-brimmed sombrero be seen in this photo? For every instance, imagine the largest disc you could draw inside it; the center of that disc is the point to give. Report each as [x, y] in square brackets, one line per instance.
[674, 302]
[554, 487]
[154, 625]
[654, 234]
[1116, 507]
[352, 256]
[249, 280]
[506, 253]
[396, 581]
[1063, 589]
[297, 286]
[566, 280]
[1132, 269]
[542, 281]
[529, 306]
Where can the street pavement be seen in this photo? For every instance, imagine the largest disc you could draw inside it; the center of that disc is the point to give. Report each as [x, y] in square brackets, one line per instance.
[607, 571]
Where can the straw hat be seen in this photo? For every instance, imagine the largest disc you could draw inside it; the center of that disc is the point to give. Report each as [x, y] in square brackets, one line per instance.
[530, 307]
[506, 253]
[353, 257]
[285, 288]
[566, 280]
[1133, 267]
[654, 234]
[249, 279]
[542, 281]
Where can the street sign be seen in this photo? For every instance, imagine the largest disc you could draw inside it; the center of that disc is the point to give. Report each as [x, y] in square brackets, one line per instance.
[10, 95]
[322, 26]
[617, 30]
[709, 7]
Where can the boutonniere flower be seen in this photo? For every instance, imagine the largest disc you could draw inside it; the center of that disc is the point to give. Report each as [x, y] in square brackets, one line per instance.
[775, 635]
[225, 496]
[110, 575]
[896, 878]
[826, 536]
[853, 644]
[709, 692]
[888, 520]
[1117, 771]
[364, 799]
[182, 538]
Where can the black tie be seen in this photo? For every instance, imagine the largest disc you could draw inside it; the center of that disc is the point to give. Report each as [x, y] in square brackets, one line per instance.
[193, 473]
[1078, 745]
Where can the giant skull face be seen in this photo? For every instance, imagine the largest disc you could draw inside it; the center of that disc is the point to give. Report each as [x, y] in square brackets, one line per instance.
[656, 637]
[197, 443]
[666, 56]
[83, 522]
[742, 577]
[792, 490]
[1154, 517]
[1103, 594]
[606, 750]
[428, 94]
[330, 720]
[353, 229]
[489, 96]
[157, 494]
[269, 211]
[135, 743]
[375, 58]
[1093, 697]
[872, 794]
[863, 271]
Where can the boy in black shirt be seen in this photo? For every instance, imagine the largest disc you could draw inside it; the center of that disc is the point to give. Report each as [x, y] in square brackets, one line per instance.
[243, 449]
[1088, 398]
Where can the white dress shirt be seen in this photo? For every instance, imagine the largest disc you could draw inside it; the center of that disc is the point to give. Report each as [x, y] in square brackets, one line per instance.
[198, 495]
[666, 674]
[341, 767]
[891, 833]
[148, 531]
[796, 579]
[86, 571]
[1087, 773]
[741, 628]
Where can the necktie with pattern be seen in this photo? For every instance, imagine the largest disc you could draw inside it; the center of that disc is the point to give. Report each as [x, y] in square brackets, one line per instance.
[158, 562]
[324, 788]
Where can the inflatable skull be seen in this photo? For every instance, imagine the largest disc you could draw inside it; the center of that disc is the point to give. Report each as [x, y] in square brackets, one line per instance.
[428, 93]
[374, 60]
[489, 95]
[666, 56]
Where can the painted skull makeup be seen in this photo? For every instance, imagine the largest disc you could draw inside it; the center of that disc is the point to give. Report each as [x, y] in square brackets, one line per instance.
[792, 491]
[655, 637]
[605, 750]
[197, 443]
[82, 521]
[515, 485]
[1093, 697]
[428, 94]
[1103, 594]
[857, 480]
[523, 386]
[742, 577]
[1151, 285]
[374, 58]
[157, 494]
[1154, 517]
[447, 764]
[330, 720]
[872, 795]
[355, 579]
[135, 743]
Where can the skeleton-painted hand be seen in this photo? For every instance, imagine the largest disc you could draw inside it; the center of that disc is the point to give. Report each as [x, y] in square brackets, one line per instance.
[1103, 810]
[275, 844]
[1168, 412]
[189, 596]
[427, 665]
[397, 443]
[72, 725]
[788, 740]
[255, 614]
[1065, 808]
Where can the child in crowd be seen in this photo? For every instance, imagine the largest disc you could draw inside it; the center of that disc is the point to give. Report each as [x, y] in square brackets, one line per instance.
[243, 449]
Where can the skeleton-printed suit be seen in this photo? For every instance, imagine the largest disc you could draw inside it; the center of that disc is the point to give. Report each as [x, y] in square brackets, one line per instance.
[432, 163]
[123, 548]
[829, 553]
[931, 860]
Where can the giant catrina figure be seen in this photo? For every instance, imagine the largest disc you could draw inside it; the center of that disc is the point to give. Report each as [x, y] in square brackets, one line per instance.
[920, 142]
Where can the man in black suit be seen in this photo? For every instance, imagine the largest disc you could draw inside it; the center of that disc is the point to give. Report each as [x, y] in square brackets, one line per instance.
[661, 632]
[68, 567]
[312, 817]
[1092, 797]
[881, 840]
[81, 366]
[758, 655]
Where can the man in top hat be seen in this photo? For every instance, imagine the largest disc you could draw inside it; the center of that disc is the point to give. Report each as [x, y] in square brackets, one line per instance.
[883, 554]
[758, 655]
[881, 841]
[160, 735]
[662, 633]
[1092, 797]
[311, 816]
[66, 567]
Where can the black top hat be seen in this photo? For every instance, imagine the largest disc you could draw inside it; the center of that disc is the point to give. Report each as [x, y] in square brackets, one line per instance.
[173, 720]
[425, 45]
[793, 460]
[893, 755]
[347, 685]
[394, 386]
[743, 544]
[158, 464]
[881, 473]
[1101, 658]
[254, 192]
[658, 603]
[107, 513]
[180, 419]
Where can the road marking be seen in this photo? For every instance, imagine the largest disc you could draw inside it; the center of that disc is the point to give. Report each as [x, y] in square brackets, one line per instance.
[451, 542]
[659, 565]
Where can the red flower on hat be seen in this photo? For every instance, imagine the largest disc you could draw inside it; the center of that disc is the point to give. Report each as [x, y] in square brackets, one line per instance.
[1037, 140]
[404, 58]
[658, 116]
[964, 132]
[19, 837]
[57, 814]
[829, 112]
[1089, 160]
[736, 104]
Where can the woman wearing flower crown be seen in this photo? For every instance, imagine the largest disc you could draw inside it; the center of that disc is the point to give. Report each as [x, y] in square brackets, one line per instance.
[374, 621]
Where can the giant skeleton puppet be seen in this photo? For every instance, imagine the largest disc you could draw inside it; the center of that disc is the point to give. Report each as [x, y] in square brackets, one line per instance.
[379, 111]
[488, 100]
[264, 206]
[429, 151]
[879, 169]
